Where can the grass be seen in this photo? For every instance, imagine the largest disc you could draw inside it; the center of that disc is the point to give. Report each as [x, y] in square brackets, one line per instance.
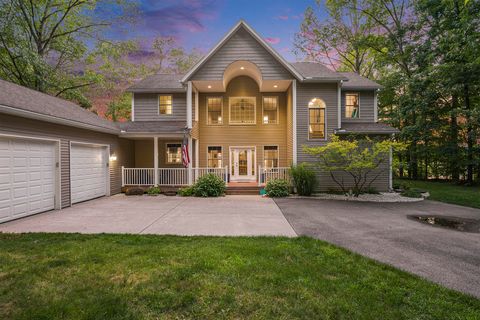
[447, 192]
[61, 276]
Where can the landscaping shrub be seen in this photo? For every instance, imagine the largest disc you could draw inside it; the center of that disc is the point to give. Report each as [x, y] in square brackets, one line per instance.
[209, 185]
[153, 191]
[277, 188]
[304, 179]
[412, 193]
[186, 192]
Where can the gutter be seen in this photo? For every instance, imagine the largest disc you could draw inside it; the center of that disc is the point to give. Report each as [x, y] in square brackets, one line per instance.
[47, 118]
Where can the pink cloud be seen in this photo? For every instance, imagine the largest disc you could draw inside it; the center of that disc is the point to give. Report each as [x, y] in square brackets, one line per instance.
[272, 40]
[283, 17]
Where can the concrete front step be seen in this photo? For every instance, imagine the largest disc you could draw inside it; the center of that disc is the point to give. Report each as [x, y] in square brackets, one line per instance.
[243, 190]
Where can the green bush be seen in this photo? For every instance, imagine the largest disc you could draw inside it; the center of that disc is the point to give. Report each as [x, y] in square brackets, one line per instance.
[304, 179]
[209, 185]
[186, 192]
[412, 193]
[372, 190]
[153, 191]
[277, 188]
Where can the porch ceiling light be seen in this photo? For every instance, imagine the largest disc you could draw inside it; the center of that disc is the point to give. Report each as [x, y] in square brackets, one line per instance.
[209, 87]
[242, 68]
[275, 86]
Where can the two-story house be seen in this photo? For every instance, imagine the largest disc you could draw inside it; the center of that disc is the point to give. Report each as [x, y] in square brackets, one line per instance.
[248, 113]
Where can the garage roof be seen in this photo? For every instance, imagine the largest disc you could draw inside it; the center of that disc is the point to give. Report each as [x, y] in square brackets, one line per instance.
[28, 103]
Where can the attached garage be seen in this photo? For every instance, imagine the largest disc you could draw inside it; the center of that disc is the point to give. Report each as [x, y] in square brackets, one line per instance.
[89, 172]
[28, 176]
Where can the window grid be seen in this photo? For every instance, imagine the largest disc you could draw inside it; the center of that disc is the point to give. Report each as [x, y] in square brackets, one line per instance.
[214, 158]
[165, 104]
[270, 110]
[174, 153]
[270, 156]
[352, 105]
[214, 110]
[242, 110]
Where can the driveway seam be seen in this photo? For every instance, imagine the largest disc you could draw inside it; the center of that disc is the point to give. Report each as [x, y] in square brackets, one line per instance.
[285, 217]
[163, 215]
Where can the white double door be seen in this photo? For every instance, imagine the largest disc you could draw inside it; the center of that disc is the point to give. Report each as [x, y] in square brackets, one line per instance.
[242, 163]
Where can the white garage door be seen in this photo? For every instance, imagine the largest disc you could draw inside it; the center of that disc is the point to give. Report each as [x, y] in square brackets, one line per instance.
[88, 172]
[27, 177]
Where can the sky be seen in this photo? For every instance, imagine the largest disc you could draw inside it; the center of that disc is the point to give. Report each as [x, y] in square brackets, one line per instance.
[202, 23]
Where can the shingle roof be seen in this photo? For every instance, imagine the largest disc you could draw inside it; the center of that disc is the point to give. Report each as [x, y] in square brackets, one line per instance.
[37, 103]
[152, 126]
[356, 81]
[316, 71]
[365, 127]
[158, 83]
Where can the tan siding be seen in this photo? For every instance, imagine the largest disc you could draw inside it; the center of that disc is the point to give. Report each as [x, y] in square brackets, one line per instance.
[366, 107]
[241, 46]
[144, 153]
[257, 135]
[146, 107]
[122, 148]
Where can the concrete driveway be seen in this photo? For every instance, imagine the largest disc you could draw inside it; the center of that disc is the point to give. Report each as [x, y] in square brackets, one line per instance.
[225, 216]
[382, 232]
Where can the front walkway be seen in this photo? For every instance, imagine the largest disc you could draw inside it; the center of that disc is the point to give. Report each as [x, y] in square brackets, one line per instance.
[225, 216]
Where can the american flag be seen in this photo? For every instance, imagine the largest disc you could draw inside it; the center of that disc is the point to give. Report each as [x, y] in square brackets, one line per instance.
[185, 155]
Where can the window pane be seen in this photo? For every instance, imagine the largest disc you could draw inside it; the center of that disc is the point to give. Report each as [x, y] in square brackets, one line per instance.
[270, 155]
[352, 105]
[174, 153]
[214, 107]
[165, 104]
[214, 157]
[270, 110]
[242, 110]
[316, 129]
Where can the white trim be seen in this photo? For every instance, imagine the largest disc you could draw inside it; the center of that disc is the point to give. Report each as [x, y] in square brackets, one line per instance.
[223, 156]
[227, 36]
[254, 165]
[189, 105]
[158, 104]
[278, 154]
[197, 153]
[390, 173]
[107, 151]
[263, 109]
[375, 106]
[42, 117]
[339, 104]
[294, 121]
[58, 169]
[133, 107]
[230, 112]
[197, 101]
[190, 164]
[221, 111]
[155, 159]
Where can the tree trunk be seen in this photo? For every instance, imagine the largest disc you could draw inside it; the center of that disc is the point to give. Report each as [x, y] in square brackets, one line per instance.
[454, 159]
[470, 138]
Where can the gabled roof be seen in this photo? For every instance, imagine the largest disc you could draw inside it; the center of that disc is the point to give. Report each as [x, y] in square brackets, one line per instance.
[159, 83]
[356, 81]
[313, 71]
[152, 127]
[257, 37]
[25, 102]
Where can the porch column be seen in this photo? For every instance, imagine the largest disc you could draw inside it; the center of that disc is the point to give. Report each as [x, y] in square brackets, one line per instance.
[155, 159]
[339, 104]
[196, 103]
[294, 120]
[197, 153]
[189, 104]
[190, 165]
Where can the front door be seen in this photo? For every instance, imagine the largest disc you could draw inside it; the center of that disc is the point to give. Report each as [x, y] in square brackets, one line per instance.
[242, 164]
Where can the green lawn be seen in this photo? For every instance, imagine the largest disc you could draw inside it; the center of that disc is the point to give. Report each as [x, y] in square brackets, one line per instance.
[60, 276]
[448, 192]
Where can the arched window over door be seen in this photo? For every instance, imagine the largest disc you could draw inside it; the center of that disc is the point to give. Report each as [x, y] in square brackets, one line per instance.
[316, 119]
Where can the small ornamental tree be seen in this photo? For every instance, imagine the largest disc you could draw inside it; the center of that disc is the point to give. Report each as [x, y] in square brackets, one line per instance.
[357, 159]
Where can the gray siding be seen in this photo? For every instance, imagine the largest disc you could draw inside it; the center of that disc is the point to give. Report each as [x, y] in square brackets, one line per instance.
[122, 148]
[241, 46]
[366, 106]
[146, 107]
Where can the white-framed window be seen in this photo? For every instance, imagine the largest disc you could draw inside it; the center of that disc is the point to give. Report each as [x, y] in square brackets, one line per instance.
[173, 153]
[270, 110]
[352, 105]
[316, 119]
[270, 156]
[242, 110]
[165, 104]
[214, 157]
[214, 110]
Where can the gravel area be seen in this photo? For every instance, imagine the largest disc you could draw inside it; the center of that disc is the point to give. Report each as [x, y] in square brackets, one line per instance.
[382, 197]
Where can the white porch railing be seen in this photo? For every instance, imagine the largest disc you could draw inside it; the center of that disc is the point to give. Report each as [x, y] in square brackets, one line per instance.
[167, 176]
[267, 174]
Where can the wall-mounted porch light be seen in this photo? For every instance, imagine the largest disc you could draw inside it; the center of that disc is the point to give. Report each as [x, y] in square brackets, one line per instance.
[113, 157]
[265, 119]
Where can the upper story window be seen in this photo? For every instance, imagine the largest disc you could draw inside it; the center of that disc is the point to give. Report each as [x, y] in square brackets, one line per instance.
[270, 110]
[174, 153]
[214, 110]
[352, 105]
[316, 119]
[242, 110]
[270, 156]
[214, 159]
[165, 104]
